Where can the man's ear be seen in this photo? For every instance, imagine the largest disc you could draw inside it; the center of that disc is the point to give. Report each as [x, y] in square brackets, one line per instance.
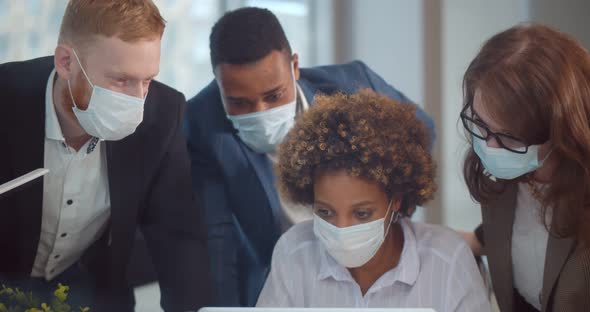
[295, 60]
[63, 58]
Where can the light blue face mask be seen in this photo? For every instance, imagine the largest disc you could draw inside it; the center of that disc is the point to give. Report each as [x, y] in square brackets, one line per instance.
[504, 164]
[263, 131]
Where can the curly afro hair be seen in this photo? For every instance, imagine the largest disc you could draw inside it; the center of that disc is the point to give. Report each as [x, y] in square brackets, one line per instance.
[370, 136]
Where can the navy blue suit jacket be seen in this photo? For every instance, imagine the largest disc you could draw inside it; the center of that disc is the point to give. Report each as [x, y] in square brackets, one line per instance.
[238, 186]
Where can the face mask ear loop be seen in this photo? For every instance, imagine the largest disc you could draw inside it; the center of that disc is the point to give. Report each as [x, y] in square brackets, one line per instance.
[81, 67]
[542, 161]
[71, 95]
[84, 72]
[295, 89]
[391, 218]
[396, 215]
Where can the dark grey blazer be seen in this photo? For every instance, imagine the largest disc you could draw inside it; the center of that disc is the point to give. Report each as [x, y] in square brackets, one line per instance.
[566, 281]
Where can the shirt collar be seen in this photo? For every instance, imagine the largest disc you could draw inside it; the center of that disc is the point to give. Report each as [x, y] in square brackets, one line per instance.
[302, 97]
[52, 128]
[304, 105]
[329, 267]
[405, 272]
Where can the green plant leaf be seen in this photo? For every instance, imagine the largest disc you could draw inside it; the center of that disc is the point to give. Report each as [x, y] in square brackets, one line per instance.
[61, 292]
[7, 291]
[21, 297]
[45, 307]
[60, 306]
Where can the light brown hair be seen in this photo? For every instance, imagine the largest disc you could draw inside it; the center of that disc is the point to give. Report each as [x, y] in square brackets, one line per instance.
[535, 82]
[128, 20]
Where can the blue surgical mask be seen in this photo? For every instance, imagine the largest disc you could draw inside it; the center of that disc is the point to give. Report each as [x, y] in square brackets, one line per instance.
[263, 131]
[504, 164]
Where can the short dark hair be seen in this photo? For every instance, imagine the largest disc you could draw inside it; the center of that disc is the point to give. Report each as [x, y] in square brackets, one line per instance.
[245, 36]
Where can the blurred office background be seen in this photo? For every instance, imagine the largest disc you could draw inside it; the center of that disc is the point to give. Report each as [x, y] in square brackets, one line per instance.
[422, 47]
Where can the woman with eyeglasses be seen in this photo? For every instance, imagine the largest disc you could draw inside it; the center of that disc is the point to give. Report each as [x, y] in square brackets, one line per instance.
[362, 162]
[527, 113]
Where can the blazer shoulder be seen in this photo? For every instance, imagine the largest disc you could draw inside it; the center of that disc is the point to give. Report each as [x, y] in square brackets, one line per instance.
[163, 108]
[23, 82]
[207, 99]
[21, 75]
[347, 78]
[166, 90]
[354, 68]
[205, 111]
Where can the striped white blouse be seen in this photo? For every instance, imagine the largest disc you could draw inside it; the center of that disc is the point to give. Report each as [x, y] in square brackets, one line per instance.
[436, 270]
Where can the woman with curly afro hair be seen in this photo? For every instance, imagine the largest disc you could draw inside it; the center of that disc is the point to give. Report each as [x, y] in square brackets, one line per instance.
[362, 162]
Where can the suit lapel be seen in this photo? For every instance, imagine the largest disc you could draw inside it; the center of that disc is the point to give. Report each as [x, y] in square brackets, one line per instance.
[264, 171]
[26, 158]
[499, 218]
[124, 163]
[253, 198]
[307, 90]
[558, 251]
[263, 167]
[28, 154]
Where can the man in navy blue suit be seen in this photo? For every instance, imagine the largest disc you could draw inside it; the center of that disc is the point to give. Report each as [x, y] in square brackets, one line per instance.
[233, 127]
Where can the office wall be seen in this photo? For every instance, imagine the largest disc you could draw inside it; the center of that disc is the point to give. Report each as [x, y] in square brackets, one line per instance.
[466, 24]
[569, 16]
[423, 47]
[387, 35]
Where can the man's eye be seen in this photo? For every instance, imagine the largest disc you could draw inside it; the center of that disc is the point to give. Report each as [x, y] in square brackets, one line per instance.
[237, 104]
[120, 81]
[274, 97]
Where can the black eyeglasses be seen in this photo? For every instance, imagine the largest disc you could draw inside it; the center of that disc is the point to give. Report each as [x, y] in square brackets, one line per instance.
[480, 130]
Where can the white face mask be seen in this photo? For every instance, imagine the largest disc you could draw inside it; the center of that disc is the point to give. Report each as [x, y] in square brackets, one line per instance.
[263, 131]
[110, 115]
[353, 246]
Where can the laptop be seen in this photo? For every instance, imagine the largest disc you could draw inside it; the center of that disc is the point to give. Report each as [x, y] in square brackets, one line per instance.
[314, 310]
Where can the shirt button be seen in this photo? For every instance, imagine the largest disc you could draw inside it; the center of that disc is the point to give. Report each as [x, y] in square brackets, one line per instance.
[69, 202]
[56, 257]
[64, 234]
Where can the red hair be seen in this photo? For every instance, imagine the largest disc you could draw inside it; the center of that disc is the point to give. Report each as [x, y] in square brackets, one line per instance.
[129, 20]
[535, 81]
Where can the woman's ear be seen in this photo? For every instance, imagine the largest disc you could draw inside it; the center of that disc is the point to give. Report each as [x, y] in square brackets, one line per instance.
[396, 204]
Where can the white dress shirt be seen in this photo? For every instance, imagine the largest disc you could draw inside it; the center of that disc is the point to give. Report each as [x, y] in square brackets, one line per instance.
[76, 203]
[436, 270]
[293, 213]
[529, 246]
